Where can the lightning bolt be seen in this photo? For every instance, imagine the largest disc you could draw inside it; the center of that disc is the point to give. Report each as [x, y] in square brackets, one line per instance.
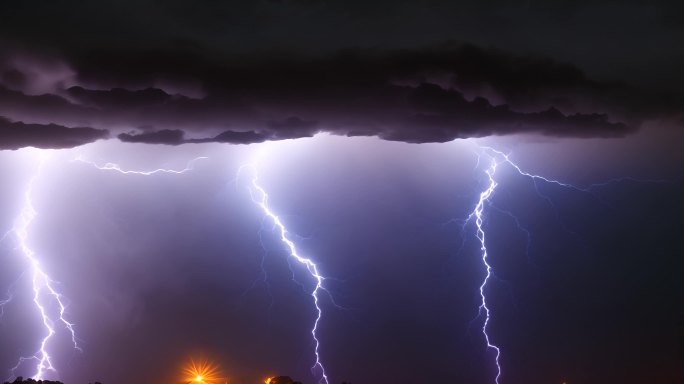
[117, 168]
[535, 178]
[498, 158]
[478, 215]
[260, 198]
[44, 288]
[46, 297]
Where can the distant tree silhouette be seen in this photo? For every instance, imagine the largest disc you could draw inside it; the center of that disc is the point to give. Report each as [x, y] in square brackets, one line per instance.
[20, 380]
[284, 380]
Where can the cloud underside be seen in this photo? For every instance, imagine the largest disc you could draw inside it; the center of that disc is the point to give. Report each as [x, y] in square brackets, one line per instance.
[432, 95]
[15, 135]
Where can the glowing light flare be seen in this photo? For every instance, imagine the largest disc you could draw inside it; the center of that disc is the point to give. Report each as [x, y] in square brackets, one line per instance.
[202, 371]
[45, 294]
[260, 198]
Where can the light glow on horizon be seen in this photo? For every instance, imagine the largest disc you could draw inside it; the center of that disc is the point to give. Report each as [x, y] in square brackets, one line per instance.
[202, 371]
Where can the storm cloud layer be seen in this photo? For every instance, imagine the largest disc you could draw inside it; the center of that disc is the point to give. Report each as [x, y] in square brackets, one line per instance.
[15, 135]
[424, 96]
[149, 85]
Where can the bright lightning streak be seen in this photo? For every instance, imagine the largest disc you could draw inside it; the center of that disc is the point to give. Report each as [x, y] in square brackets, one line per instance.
[117, 168]
[43, 288]
[260, 197]
[497, 158]
[43, 285]
[478, 214]
[535, 178]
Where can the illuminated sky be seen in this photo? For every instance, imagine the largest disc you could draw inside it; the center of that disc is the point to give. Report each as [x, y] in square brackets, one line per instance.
[366, 122]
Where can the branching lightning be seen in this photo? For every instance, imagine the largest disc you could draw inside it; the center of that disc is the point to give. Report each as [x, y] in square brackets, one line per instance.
[498, 158]
[51, 304]
[478, 215]
[46, 297]
[260, 198]
[117, 168]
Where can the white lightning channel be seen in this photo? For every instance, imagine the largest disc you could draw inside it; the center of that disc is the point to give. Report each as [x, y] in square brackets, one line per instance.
[43, 285]
[45, 292]
[117, 168]
[478, 215]
[260, 198]
[497, 158]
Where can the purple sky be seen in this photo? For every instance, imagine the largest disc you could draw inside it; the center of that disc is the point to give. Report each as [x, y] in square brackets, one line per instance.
[158, 268]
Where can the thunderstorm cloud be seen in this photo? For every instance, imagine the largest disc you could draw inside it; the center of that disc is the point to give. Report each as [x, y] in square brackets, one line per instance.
[433, 94]
[15, 135]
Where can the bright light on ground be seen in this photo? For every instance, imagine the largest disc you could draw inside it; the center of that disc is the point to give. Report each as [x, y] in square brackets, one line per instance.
[202, 371]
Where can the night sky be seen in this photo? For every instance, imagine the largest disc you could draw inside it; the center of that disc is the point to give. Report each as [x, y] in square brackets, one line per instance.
[373, 128]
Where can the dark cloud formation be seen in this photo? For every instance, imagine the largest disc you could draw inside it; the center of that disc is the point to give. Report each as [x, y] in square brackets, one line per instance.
[166, 136]
[177, 73]
[15, 135]
[177, 137]
[428, 95]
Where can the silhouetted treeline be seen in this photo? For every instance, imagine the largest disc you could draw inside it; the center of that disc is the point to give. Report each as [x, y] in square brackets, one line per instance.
[20, 380]
[283, 380]
[288, 380]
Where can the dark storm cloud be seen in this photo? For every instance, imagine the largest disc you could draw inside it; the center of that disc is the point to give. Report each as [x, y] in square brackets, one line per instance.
[15, 135]
[177, 137]
[234, 137]
[118, 97]
[175, 72]
[166, 136]
[435, 94]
